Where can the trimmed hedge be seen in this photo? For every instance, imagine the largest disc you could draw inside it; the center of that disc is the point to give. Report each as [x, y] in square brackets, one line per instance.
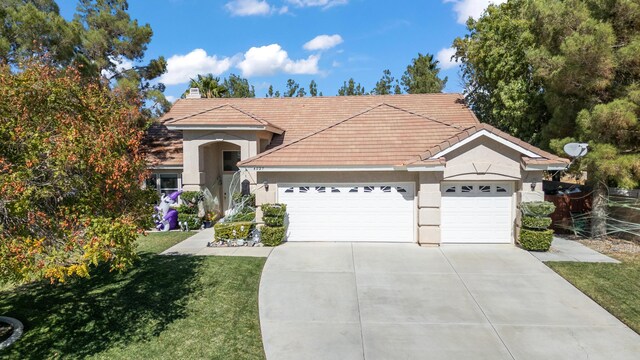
[192, 221]
[225, 231]
[272, 236]
[242, 216]
[192, 197]
[537, 208]
[238, 198]
[274, 210]
[531, 222]
[273, 221]
[535, 240]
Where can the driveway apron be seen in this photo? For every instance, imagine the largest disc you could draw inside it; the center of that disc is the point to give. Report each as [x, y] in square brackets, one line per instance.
[402, 301]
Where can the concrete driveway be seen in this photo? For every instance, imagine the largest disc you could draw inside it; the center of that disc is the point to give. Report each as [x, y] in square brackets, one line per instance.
[400, 301]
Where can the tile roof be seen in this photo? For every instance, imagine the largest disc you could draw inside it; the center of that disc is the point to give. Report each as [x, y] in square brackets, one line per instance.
[225, 114]
[163, 146]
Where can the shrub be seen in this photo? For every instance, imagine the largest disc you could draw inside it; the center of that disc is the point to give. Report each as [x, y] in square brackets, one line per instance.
[272, 236]
[531, 222]
[192, 221]
[537, 208]
[243, 216]
[274, 210]
[187, 209]
[238, 198]
[273, 221]
[535, 240]
[192, 197]
[232, 230]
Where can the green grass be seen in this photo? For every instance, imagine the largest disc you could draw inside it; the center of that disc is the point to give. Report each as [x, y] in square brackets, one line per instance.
[616, 287]
[166, 307]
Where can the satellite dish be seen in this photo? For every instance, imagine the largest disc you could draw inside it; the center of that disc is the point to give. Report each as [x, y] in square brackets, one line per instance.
[576, 150]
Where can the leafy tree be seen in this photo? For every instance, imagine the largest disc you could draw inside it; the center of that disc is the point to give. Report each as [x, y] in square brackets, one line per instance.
[556, 71]
[350, 88]
[385, 85]
[421, 76]
[208, 85]
[270, 91]
[97, 41]
[71, 160]
[238, 87]
[301, 92]
[313, 88]
[277, 94]
[291, 88]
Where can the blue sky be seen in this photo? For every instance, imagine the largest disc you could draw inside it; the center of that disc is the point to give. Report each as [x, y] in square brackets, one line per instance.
[270, 41]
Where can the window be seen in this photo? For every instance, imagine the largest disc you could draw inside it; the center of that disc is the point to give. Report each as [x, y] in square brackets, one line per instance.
[500, 189]
[168, 183]
[466, 188]
[368, 189]
[303, 189]
[321, 189]
[335, 190]
[230, 160]
[354, 189]
[401, 189]
[289, 190]
[152, 182]
[450, 189]
[485, 188]
[385, 188]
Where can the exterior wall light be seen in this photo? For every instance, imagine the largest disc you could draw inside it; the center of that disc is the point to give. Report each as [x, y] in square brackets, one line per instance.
[266, 186]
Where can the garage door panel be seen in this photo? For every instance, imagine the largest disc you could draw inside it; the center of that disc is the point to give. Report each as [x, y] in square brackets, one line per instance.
[325, 212]
[475, 212]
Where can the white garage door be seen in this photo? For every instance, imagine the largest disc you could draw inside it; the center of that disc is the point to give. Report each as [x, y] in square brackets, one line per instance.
[354, 212]
[476, 212]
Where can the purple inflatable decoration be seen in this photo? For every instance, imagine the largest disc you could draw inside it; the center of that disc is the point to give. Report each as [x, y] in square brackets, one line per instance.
[165, 217]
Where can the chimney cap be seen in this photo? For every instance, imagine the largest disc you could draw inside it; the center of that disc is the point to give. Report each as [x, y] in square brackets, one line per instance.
[194, 93]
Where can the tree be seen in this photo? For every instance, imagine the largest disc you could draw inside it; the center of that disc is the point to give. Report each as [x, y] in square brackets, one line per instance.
[291, 88]
[385, 85]
[270, 91]
[349, 88]
[313, 88]
[98, 41]
[559, 71]
[301, 92]
[208, 85]
[277, 94]
[421, 76]
[238, 87]
[72, 164]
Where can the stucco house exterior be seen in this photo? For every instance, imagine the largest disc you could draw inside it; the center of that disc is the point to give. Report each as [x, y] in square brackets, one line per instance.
[397, 168]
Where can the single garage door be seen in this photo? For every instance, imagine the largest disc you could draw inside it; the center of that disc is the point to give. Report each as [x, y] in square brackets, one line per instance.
[354, 212]
[476, 212]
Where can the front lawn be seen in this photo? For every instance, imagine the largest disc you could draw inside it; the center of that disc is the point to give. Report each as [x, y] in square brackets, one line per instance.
[166, 307]
[616, 287]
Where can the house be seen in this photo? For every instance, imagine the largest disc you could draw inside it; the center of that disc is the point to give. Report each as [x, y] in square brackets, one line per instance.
[397, 168]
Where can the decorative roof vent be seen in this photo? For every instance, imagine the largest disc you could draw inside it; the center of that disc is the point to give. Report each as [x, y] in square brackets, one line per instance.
[194, 93]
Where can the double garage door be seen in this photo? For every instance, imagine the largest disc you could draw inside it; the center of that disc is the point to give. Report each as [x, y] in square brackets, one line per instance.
[354, 212]
[471, 212]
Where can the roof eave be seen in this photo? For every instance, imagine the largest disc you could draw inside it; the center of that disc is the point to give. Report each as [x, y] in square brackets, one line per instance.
[225, 127]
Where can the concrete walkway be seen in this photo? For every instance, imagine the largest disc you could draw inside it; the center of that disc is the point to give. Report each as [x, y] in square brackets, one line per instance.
[568, 250]
[401, 301]
[197, 245]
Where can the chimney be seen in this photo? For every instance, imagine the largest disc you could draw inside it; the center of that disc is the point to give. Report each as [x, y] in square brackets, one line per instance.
[194, 93]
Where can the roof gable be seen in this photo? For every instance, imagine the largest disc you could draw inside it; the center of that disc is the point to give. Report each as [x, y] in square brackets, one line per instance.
[222, 115]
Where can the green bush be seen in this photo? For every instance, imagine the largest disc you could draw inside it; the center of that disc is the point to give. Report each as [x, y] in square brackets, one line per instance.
[272, 236]
[274, 210]
[537, 208]
[238, 198]
[192, 220]
[242, 216]
[273, 221]
[535, 240]
[531, 222]
[225, 230]
[187, 209]
[192, 197]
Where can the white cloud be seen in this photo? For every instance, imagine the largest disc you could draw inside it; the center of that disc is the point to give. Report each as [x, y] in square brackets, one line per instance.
[471, 8]
[170, 98]
[248, 7]
[121, 65]
[271, 59]
[323, 42]
[180, 68]
[444, 57]
[318, 3]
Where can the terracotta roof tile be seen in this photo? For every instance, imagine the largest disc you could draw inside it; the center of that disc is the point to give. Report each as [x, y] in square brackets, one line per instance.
[162, 146]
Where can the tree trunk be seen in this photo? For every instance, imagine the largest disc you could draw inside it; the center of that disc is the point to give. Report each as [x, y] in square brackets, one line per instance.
[599, 211]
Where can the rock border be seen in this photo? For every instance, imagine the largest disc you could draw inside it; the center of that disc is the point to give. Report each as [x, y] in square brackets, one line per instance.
[18, 329]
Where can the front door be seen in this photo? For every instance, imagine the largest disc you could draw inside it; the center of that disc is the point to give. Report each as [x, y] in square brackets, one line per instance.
[230, 159]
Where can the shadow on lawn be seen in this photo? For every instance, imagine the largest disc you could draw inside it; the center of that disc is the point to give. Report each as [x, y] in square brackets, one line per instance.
[87, 316]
